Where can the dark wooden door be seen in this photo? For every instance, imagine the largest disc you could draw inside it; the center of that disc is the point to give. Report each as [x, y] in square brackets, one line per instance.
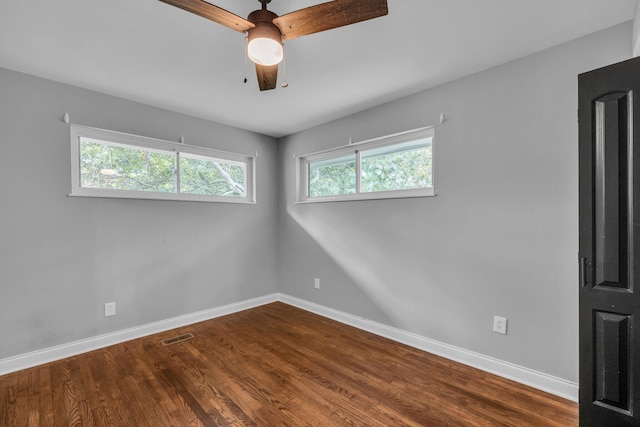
[609, 252]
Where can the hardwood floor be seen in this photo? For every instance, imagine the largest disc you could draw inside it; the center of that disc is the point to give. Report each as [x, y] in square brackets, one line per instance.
[274, 365]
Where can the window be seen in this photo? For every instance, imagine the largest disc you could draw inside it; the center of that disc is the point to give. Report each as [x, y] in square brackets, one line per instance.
[112, 164]
[332, 177]
[393, 166]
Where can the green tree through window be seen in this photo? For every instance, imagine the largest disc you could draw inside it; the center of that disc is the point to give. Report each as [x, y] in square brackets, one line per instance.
[104, 165]
[395, 168]
[333, 177]
[203, 176]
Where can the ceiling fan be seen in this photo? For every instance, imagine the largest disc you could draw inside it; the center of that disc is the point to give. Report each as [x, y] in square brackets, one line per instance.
[266, 30]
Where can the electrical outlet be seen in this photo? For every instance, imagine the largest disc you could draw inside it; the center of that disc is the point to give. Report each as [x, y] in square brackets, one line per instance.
[110, 309]
[500, 325]
[316, 283]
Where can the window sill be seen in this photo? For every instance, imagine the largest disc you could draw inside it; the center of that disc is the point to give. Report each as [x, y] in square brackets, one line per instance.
[171, 197]
[368, 196]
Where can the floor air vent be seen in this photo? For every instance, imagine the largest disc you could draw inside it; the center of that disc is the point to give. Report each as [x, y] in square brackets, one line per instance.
[177, 339]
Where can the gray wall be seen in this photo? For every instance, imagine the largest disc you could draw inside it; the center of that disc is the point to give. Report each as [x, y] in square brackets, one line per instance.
[499, 239]
[62, 258]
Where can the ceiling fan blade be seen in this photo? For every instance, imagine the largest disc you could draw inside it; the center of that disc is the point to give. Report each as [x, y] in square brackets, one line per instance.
[214, 13]
[267, 76]
[327, 16]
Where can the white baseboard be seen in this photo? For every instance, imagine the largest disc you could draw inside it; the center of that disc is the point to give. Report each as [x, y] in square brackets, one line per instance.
[28, 360]
[539, 380]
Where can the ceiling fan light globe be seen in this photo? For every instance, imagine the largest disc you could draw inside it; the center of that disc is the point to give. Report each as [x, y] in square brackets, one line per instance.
[265, 51]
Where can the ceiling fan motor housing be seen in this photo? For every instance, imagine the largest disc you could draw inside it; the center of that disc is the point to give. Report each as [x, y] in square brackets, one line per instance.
[264, 26]
[264, 29]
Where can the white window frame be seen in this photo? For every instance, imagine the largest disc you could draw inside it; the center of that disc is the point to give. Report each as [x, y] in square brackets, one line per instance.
[303, 162]
[157, 145]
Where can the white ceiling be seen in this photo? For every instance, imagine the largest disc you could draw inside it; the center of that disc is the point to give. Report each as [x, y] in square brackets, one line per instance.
[148, 51]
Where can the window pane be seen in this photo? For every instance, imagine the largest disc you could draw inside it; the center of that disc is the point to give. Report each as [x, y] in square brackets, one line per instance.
[211, 177]
[110, 166]
[397, 167]
[333, 177]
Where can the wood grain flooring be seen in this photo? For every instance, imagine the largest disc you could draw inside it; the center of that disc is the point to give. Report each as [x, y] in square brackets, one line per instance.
[274, 365]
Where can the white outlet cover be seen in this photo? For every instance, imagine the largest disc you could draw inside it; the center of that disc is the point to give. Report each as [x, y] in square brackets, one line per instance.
[500, 325]
[110, 309]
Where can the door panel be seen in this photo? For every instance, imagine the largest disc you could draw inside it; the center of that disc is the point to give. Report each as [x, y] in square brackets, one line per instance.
[612, 148]
[612, 347]
[609, 230]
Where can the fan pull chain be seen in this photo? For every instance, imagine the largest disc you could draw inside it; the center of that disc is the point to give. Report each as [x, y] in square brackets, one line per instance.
[284, 67]
[246, 44]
